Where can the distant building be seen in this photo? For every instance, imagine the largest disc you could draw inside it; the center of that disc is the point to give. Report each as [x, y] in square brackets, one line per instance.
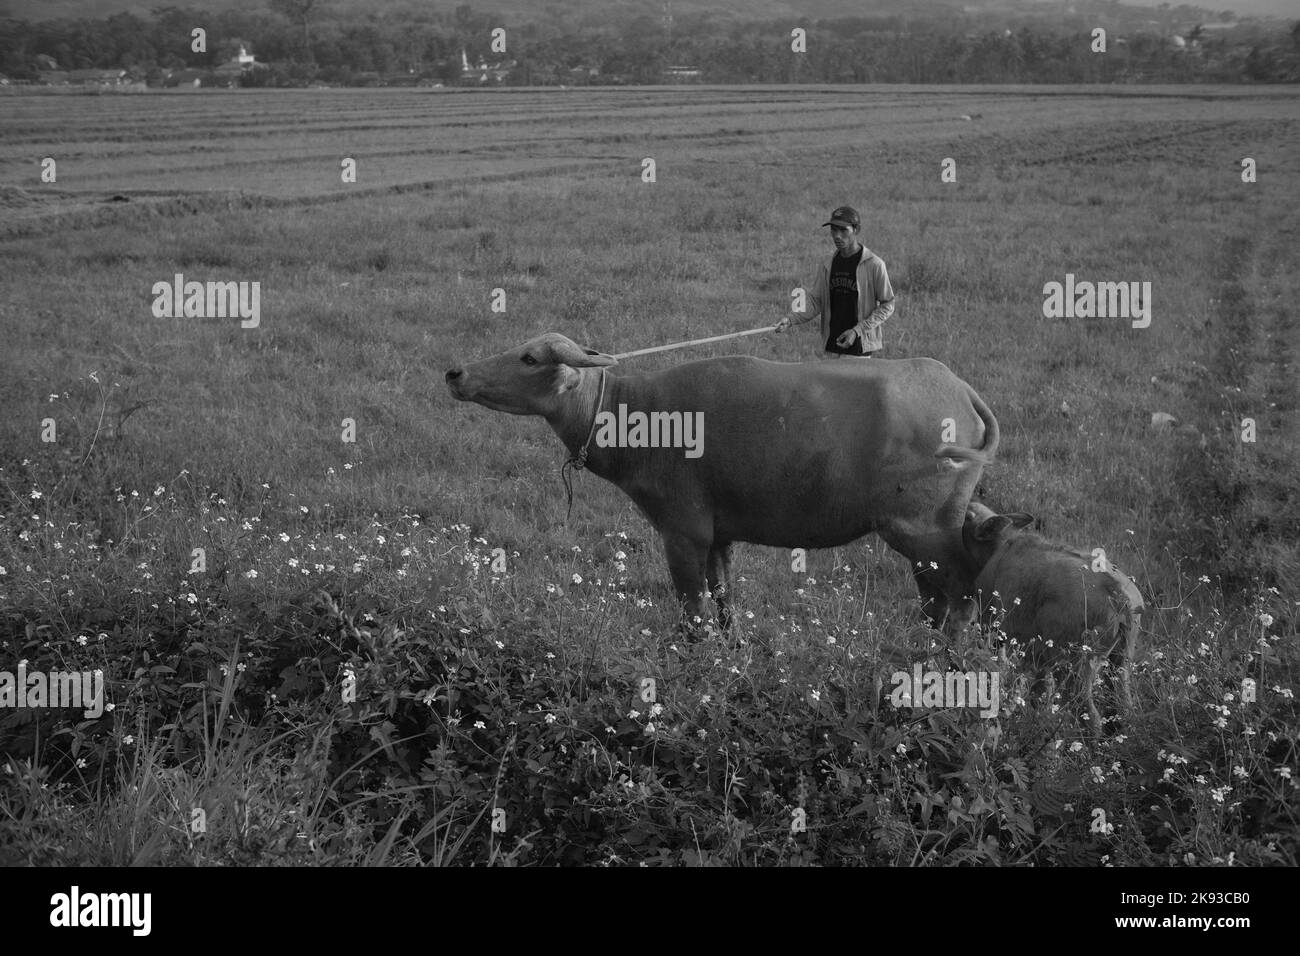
[231, 72]
[483, 73]
[190, 78]
[48, 72]
[400, 78]
[678, 73]
[103, 78]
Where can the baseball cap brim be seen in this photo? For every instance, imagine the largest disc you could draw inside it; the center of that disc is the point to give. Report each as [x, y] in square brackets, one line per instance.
[842, 223]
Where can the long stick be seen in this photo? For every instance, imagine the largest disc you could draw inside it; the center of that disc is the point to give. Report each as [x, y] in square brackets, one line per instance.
[682, 345]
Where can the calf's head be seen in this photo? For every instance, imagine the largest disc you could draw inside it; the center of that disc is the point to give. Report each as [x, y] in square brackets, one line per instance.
[530, 379]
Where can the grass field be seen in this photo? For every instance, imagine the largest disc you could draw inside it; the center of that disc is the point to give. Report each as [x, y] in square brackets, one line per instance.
[479, 689]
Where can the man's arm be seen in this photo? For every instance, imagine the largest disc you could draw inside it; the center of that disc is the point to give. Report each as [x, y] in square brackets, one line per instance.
[812, 302]
[883, 292]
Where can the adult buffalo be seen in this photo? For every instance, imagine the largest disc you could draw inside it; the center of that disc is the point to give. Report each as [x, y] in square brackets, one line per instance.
[792, 455]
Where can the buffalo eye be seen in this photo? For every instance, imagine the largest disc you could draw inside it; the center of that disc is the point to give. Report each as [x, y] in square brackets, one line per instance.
[528, 359]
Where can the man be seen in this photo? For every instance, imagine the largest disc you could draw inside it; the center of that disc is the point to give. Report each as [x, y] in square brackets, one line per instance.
[851, 294]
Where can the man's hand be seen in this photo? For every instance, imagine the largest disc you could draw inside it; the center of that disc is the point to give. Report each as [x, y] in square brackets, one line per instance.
[783, 324]
[847, 338]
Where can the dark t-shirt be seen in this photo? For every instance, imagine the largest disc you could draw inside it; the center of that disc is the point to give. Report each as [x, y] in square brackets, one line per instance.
[844, 302]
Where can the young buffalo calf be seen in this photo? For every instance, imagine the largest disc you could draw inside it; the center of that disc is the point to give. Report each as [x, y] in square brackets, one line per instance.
[1051, 600]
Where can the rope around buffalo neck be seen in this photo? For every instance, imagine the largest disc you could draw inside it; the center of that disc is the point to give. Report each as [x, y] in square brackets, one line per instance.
[579, 461]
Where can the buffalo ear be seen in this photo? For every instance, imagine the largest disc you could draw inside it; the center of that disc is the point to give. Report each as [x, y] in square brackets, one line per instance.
[567, 353]
[597, 359]
[1020, 519]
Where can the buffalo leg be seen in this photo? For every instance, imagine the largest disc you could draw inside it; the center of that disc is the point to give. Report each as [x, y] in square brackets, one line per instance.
[1129, 652]
[933, 601]
[686, 563]
[1090, 670]
[719, 577]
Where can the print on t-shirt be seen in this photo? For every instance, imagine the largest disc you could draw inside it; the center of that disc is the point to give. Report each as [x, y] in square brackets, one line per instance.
[844, 302]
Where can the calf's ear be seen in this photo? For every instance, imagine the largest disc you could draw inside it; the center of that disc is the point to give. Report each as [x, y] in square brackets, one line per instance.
[990, 529]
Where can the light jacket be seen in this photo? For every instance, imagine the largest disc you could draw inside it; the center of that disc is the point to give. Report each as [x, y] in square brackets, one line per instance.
[875, 300]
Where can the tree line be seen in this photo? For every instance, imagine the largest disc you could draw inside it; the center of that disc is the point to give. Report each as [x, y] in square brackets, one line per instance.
[300, 43]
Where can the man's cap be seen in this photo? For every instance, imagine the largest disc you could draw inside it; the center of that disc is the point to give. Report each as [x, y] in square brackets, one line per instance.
[845, 216]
